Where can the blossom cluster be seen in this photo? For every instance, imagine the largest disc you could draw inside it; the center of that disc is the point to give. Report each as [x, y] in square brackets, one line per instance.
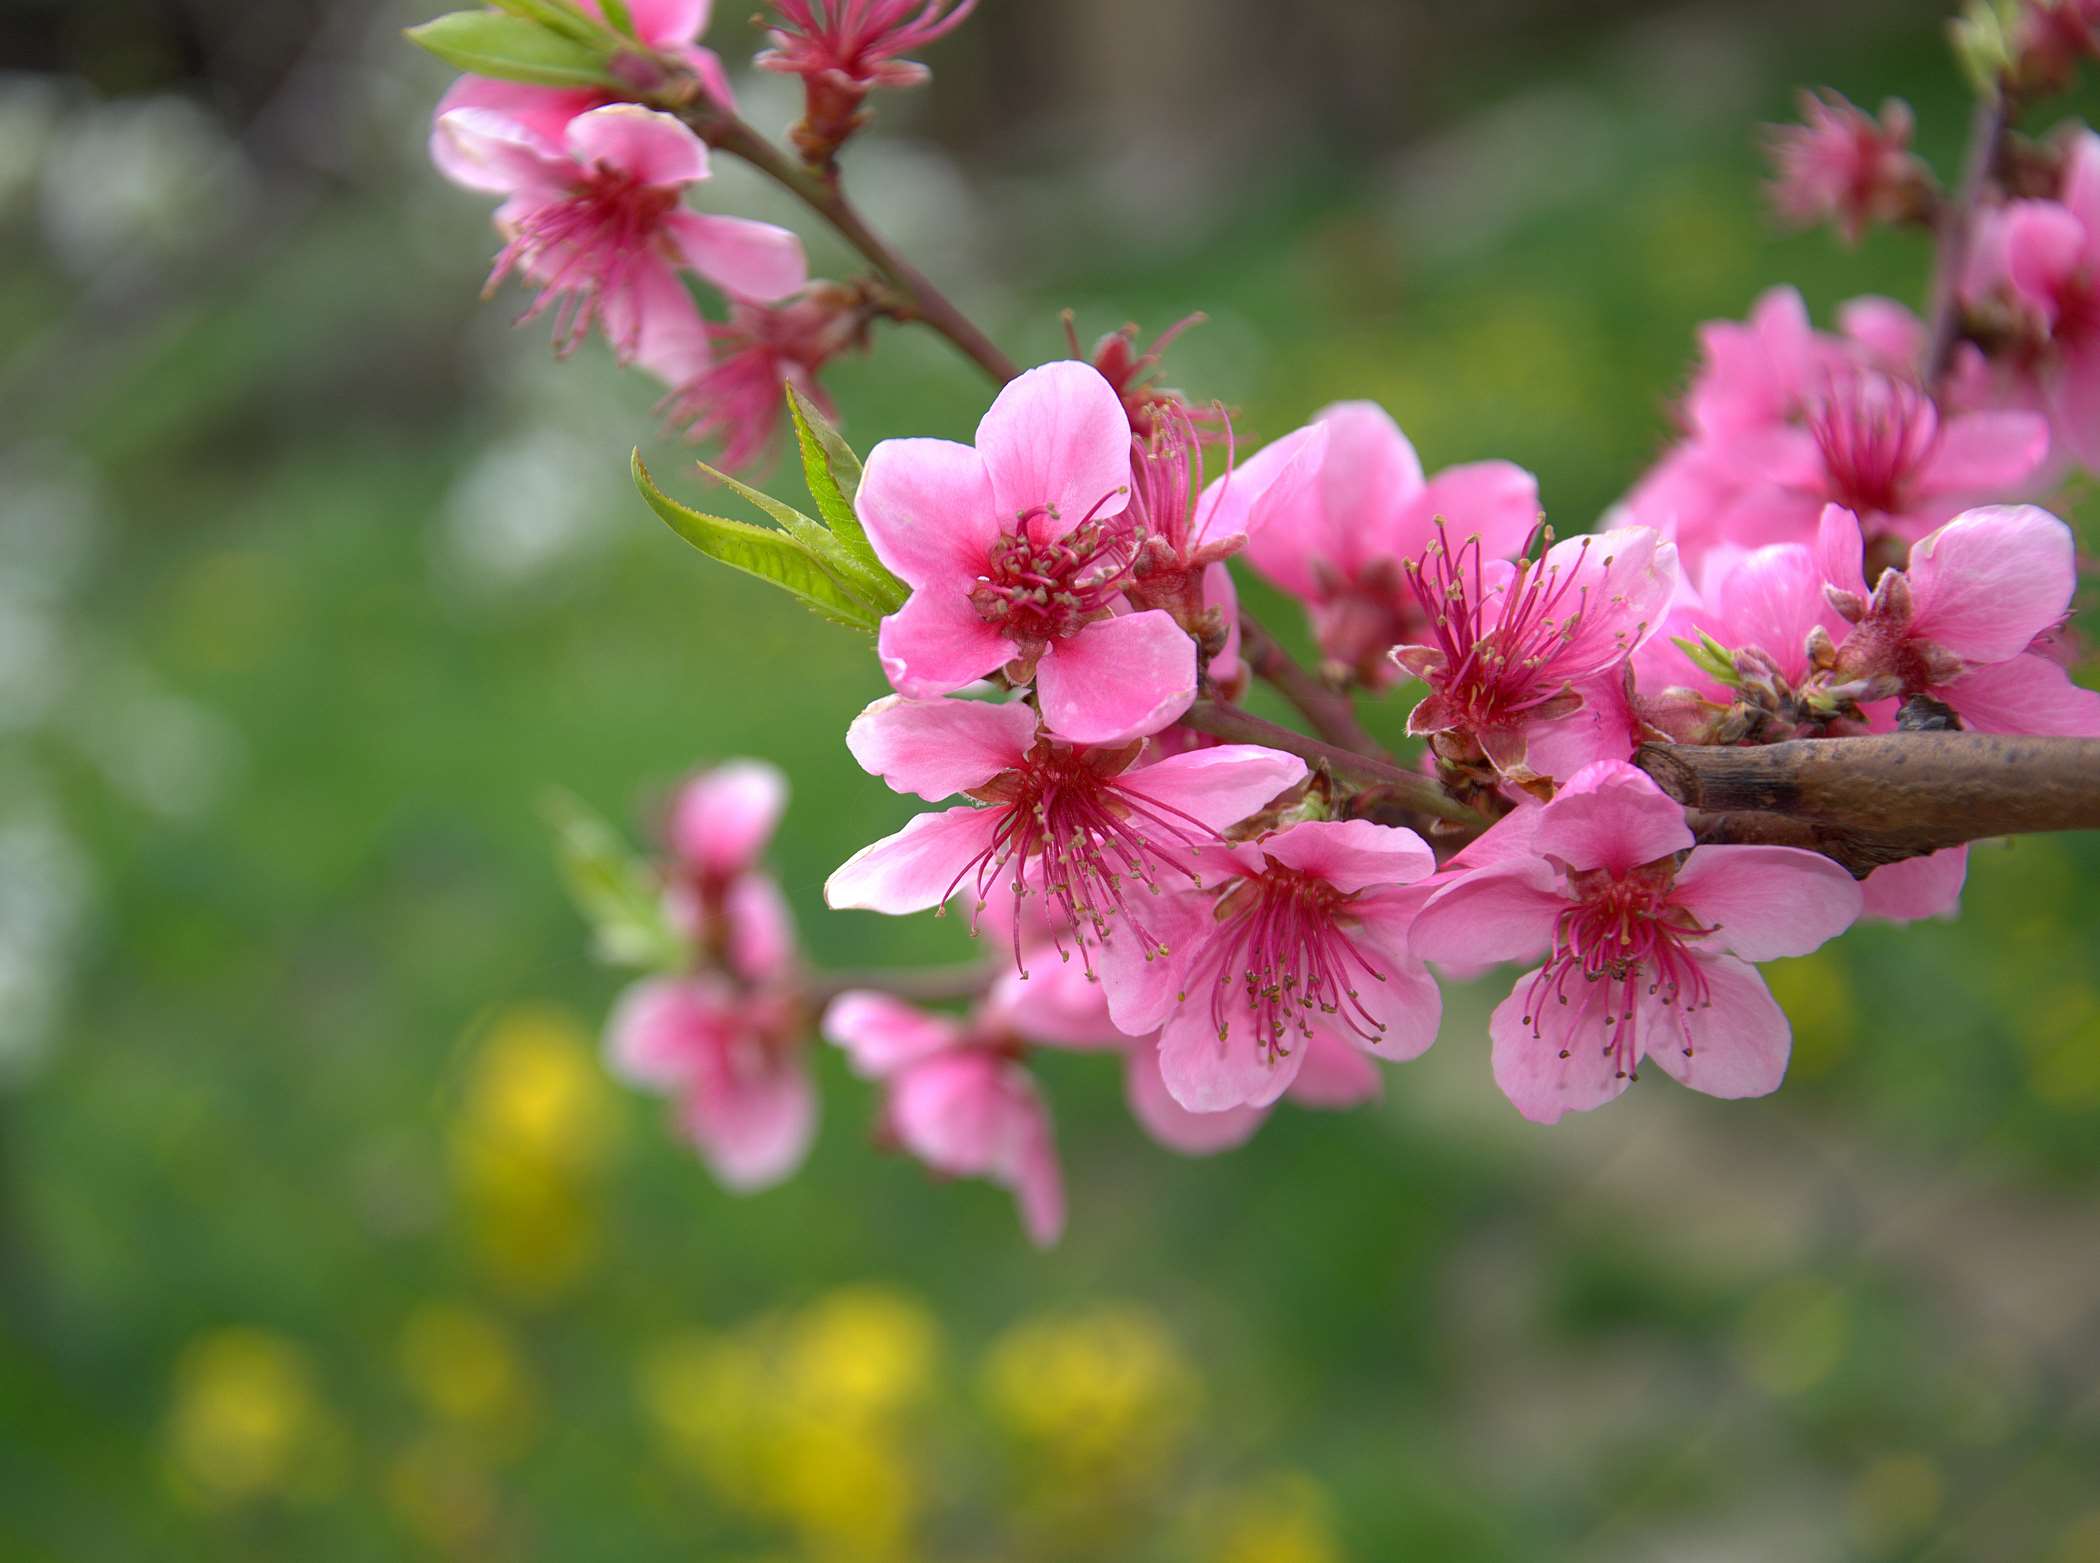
[1848, 536]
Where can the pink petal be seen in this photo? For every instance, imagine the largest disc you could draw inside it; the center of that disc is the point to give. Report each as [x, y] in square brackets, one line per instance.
[650, 147]
[2081, 190]
[1403, 999]
[1737, 1044]
[749, 260]
[1207, 1073]
[882, 1035]
[2029, 694]
[1277, 481]
[1605, 727]
[957, 1111]
[1890, 331]
[487, 150]
[1370, 476]
[1142, 986]
[2074, 401]
[1037, 1181]
[1215, 787]
[1490, 915]
[722, 819]
[757, 1131]
[1174, 1126]
[2044, 245]
[657, 319]
[1118, 679]
[1352, 854]
[937, 748]
[1057, 437]
[917, 868]
[761, 929]
[1985, 452]
[1496, 501]
[1989, 581]
[1841, 550]
[1529, 1068]
[662, 1029]
[936, 643]
[1335, 1076]
[1055, 1003]
[1629, 577]
[1767, 902]
[1610, 815]
[1916, 888]
[541, 113]
[929, 511]
[660, 23]
[1773, 598]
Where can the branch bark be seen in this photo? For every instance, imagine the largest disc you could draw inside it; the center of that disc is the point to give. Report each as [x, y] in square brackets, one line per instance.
[1866, 802]
[1411, 790]
[1331, 713]
[1957, 221]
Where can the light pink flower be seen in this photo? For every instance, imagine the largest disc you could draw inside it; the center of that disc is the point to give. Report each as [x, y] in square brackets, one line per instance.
[722, 819]
[596, 223]
[735, 1062]
[738, 398]
[719, 824]
[1017, 560]
[1916, 888]
[1515, 647]
[2049, 253]
[1648, 948]
[1084, 826]
[1769, 600]
[1337, 543]
[1961, 622]
[957, 1098]
[1841, 167]
[859, 43]
[1297, 938]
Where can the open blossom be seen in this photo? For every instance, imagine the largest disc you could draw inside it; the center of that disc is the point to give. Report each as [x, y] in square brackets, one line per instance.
[1017, 557]
[957, 1097]
[737, 399]
[595, 222]
[1840, 166]
[1514, 648]
[736, 1064]
[1086, 827]
[1286, 945]
[1962, 620]
[1338, 545]
[1648, 943]
[719, 825]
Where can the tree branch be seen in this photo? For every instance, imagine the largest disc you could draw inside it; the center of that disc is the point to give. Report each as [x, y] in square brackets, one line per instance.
[1866, 802]
[1411, 789]
[1957, 221]
[914, 984]
[1331, 712]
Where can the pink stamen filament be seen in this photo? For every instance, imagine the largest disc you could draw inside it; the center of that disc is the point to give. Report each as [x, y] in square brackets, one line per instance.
[1287, 960]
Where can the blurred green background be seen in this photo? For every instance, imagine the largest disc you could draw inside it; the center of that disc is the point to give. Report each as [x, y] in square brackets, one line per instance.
[322, 1235]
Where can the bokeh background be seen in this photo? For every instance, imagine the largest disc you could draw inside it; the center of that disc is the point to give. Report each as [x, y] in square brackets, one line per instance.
[322, 1233]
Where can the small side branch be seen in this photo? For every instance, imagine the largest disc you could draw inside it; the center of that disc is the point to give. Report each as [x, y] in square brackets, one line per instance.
[1397, 785]
[1957, 221]
[1330, 711]
[1866, 802]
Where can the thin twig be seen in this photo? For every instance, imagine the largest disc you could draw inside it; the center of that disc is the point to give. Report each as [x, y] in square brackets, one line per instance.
[916, 984]
[1957, 222]
[1412, 789]
[1330, 711]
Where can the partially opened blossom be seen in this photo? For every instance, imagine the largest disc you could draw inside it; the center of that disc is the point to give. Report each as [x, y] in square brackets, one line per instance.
[1961, 622]
[737, 399]
[719, 824]
[957, 1097]
[594, 221]
[735, 1063]
[1017, 559]
[1514, 647]
[843, 49]
[1840, 166]
[1648, 942]
[1293, 941]
[1087, 827]
[1338, 544]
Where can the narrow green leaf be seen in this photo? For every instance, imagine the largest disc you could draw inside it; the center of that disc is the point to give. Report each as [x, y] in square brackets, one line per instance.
[771, 556]
[860, 577]
[617, 893]
[622, 19]
[833, 474]
[510, 48]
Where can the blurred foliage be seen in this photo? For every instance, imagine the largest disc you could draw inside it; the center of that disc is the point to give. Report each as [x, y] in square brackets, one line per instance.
[323, 1236]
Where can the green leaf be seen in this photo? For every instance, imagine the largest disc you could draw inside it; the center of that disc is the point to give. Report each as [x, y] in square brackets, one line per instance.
[510, 48]
[619, 894]
[864, 577]
[833, 474]
[1711, 658]
[622, 19]
[772, 556]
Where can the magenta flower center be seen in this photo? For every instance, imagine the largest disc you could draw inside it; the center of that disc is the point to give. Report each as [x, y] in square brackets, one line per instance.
[1289, 962]
[1089, 843]
[586, 251]
[1621, 940]
[1037, 590]
[1875, 435]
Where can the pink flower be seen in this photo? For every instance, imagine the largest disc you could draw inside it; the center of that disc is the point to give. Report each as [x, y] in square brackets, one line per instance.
[722, 819]
[1078, 823]
[2050, 257]
[1841, 167]
[738, 397]
[1513, 647]
[2049, 39]
[595, 221]
[1287, 942]
[859, 42]
[1016, 559]
[719, 824]
[1647, 948]
[1338, 544]
[735, 1061]
[1960, 623]
[957, 1098]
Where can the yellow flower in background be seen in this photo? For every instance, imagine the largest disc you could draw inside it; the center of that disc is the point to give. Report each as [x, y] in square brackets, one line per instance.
[462, 1365]
[861, 1352]
[1097, 1393]
[535, 1120]
[248, 1422]
[1286, 1518]
[442, 1495]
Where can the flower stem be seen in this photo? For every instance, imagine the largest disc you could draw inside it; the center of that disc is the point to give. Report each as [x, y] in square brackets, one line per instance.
[1957, 223]
[1411, 789]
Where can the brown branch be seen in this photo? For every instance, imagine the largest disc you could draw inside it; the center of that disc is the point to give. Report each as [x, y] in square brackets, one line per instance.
[914, 984]
[1411, 789]
[1330, 711]
[1957, 222]
[1869, 801]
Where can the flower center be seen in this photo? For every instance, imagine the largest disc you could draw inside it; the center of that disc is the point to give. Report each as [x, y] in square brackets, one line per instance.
[587, 251]
[1875, 434]
[1037, 589]
[1620, 941]
[1288, 961]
